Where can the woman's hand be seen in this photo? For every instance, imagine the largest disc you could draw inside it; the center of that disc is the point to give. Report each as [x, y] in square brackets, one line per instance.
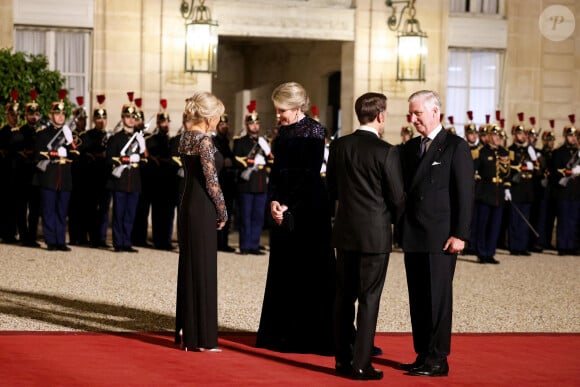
[277, 211]
[221, 225]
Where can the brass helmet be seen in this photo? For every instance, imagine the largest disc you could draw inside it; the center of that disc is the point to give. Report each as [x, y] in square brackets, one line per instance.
[407, 129]
[314, 110]
[163, 116]
[12, 106]
[519, 127]
[252, 115]
[139, 114]
[549, 135]
[451, 128]
[79, 111]
[570, 129]
[129, 109]
[483, 129]
[470, 126]
[32, 106]
[532, 131]
[100, 111]
[58, 106]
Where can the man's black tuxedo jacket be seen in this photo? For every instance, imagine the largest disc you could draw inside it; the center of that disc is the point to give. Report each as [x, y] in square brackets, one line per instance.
[364, 175]
[440, 189]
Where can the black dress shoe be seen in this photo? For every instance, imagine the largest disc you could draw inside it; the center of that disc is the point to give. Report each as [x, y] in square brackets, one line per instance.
[30, 244]
[366, 374]
[343, 368]
[243, 252]
[119, 249]
[525, 253]
[481, 259]
[492, 260]
[51, 247]
[410, 366]
[130, 250]
[256, 252]
[376, 351]
[431, 370]
[226, 249]
[62, 248]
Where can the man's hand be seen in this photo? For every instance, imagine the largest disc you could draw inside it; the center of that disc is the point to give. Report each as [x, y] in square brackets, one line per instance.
[454, 245]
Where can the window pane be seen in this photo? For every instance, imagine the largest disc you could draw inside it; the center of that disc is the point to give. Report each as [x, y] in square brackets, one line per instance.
[456, 106]
[31, 42]
[458, 6]
[482, 103]
[457, 72]
[483, 69]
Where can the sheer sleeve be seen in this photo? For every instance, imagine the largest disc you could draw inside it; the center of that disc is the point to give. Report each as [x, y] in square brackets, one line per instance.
[206, 152]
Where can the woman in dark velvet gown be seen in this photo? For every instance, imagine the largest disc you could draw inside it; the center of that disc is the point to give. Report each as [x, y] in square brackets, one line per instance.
[201, 211]
[298, 300]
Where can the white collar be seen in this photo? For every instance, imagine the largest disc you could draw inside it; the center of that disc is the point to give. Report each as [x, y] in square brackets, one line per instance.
[369, 129]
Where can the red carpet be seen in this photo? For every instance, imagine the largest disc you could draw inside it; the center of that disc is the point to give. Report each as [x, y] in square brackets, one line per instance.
[91, 359]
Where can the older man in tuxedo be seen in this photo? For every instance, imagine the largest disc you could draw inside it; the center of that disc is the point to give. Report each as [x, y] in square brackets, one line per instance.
[364, 176]
[438, 181]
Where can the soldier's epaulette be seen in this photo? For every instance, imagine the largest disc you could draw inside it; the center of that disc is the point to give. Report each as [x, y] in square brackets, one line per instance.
[74, 151]
[15, 129]
[475, 153]
[237, 137]
[39, 129]
[512, 155]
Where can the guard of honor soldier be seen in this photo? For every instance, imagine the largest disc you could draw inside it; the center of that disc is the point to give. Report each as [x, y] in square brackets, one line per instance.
[253, 155]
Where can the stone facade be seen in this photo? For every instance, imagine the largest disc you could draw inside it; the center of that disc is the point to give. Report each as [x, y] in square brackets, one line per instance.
[139, 46]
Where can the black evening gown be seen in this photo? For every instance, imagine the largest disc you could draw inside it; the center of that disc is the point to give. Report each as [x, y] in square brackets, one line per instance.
[300, 286]
[202, 206]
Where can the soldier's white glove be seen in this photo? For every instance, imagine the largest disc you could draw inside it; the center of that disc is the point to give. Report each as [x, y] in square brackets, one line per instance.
[507, 195]
[563, 181]
[134, 158]
[259, 160]
[529, 165]
[264, 145]
[544, 182]
[576, 170]
[67, 134]
[532, 153]
[141, 142]
[61, 151]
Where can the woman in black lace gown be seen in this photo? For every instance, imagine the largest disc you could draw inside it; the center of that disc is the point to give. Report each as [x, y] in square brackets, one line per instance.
[298, 300]
[201, 211]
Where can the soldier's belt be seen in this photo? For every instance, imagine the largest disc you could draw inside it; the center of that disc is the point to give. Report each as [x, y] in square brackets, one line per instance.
[497, 180]
[60, 160]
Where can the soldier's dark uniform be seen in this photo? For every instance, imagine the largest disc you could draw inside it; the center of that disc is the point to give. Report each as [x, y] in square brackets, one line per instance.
[7, 210]
[547, 206]
[140, 233]
[78, 227]
[26, 196]
[520, 186]
[54, 153]
[492, 166]
[252, 189]
[565, 183]
[163, 172]
[125, 180]
[227, 180]
[97, 198]
[475, 146]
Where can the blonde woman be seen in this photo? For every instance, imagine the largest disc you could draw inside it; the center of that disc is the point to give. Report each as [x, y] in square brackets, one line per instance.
[298, 300]
[201, 211]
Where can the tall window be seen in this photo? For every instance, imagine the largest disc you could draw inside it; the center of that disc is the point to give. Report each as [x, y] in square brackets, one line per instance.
[67, 50]
[475, 6]
[473, 83]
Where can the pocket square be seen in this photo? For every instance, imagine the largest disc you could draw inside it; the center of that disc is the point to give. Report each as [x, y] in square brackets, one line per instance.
[436, 163]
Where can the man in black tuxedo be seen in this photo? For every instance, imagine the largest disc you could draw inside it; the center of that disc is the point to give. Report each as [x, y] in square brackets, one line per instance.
[364, 176]
[438, 178]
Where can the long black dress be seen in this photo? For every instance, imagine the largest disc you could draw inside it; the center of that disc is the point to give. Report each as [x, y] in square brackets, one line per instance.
[300, 286]
[202, 207]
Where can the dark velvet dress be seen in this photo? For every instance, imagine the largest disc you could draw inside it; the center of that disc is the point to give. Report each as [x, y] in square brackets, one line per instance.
[202, 207]
[300, 287]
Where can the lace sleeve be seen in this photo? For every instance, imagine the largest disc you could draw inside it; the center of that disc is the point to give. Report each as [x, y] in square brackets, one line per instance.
[206, 151]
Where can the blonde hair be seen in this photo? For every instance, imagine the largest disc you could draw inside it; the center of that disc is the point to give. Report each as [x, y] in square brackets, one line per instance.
[291, 95]
[202, 106]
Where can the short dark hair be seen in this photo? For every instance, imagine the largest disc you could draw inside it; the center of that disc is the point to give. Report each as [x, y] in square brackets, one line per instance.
[368, 106]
